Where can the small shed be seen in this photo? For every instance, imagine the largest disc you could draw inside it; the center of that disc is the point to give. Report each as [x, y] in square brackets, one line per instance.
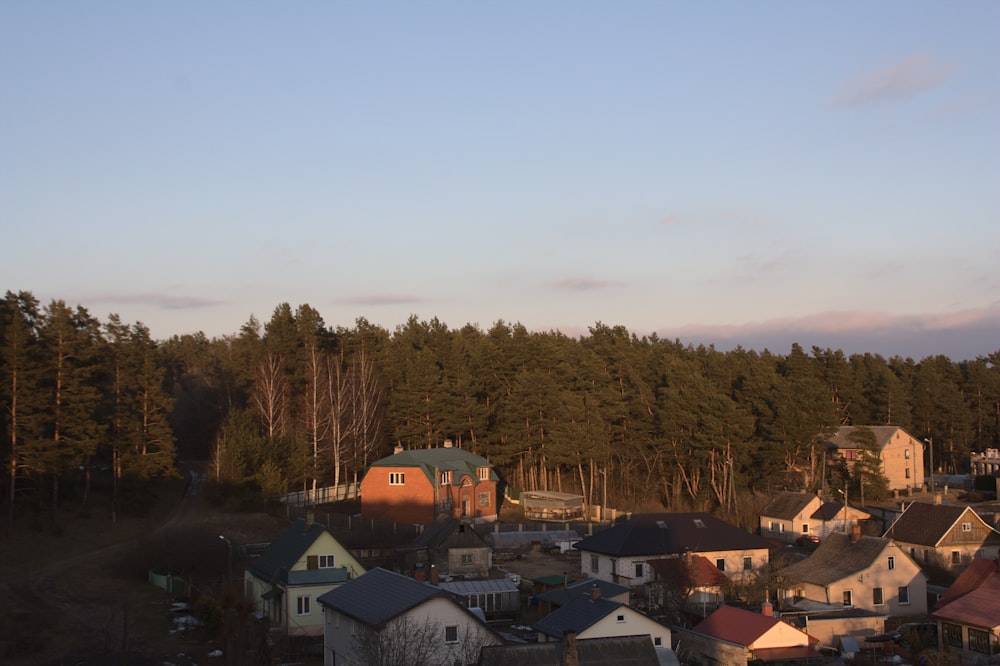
[547, 505]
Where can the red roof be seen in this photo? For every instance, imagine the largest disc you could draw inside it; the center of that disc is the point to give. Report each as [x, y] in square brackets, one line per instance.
[699, 572]
[736, 625]
[974, 597]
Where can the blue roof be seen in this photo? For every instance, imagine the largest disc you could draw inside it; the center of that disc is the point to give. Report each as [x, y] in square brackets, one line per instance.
[576, 616]
[379, 595]
[561, 596]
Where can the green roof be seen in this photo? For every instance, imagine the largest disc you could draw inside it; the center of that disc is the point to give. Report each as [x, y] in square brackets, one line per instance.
[442, 459]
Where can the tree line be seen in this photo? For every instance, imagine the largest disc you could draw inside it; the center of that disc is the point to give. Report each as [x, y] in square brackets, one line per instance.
[294, 404]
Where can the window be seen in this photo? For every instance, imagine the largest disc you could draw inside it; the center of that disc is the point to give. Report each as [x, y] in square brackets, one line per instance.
[747, 563]
[620, 618]
[979, 641]
[451, 633]
[397, 478]
[805, 528]
[445, 477]
[956, 557]
[906, 453]
[638, 570]
[848, 600]
[446, 505]
[877, 597]
[774, 527]
[952, 634]
[721, 564]
[907, 472]
[466, 559]
[483, 473]
[781, 527]
[326, 561]
[484, 499]
[966, 527]
[904, 595]
[594, 564]
[302, 606]
[698, 522]
[658, 641]
[892, 562]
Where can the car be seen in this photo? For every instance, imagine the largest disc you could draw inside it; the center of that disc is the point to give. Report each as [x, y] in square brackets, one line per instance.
[807, 540]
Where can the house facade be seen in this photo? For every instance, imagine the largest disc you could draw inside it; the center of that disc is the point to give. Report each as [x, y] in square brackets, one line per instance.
[944, 535]
[423, 485]
[302, 564]
[791, 515]
[621, 554]
[595, 617]
[854, 571]
[454, 547]
[386, 617]
[968, 614]
[737, 636]
[902, 454]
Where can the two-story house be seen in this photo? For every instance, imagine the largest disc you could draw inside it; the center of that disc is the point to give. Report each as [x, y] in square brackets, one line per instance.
[789, 516]
[968, 614]
[302, 564]
[621, 554]
[866, 572]
[945, 535]
[422, 485]
[901, 453]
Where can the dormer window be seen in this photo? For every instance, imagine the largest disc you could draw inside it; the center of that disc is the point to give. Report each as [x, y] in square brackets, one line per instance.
[698, 522]
[445, 477]
[397, 478]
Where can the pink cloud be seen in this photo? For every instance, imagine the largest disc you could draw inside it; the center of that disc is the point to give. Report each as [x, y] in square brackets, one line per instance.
[585, 284]
[381, 299]
[906, 78]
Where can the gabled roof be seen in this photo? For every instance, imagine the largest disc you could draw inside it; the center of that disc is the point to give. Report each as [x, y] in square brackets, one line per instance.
[679, 572]
[618, 651]
[926, 524]
[577, 616]
[974, 597]
[442, 459]
[671, 534]
[736, 625]
[831, 511]
[561, 596]
[379, 596]
[883, 435]
[437, 534]
[837, 558]
[787, 505]
[287, 550]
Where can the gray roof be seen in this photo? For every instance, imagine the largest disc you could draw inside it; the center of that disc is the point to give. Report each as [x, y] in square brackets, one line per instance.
[836, 558]
[787, 505]
[287, 550]
[926, 524]
[671, 533]
[561, 596]
[466, 587]
[882, 434]
[576, 616]
[442, 459]
[379, 595]
[438, 533]
[618, 651]
[827, 511]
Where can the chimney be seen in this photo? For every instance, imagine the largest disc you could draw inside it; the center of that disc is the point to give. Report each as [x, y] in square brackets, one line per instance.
[570, 655]
[310, 519]
[766, 609]
[855, 533]
[397, 449]
[688, 557]
[937, 498]
[419, 573]
[434, 574]
[595, 592]
[448, 444]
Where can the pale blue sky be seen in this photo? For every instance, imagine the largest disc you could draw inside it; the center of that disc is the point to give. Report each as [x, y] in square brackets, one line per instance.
[728, 172]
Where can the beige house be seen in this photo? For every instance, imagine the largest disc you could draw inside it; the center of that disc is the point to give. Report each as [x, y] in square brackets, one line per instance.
[902, 455]
[857, 571]
[735, 636]
[789, 516]
[302, 564]
[594, 617]
[945, 535]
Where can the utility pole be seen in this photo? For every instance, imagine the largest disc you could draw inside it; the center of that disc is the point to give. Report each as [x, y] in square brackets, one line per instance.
[930, 450]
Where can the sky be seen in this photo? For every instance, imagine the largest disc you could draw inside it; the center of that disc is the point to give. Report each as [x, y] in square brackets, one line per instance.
[726, 173]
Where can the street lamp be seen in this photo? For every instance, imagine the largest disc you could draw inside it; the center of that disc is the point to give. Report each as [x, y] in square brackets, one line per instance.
[930, 450]
[229, 558]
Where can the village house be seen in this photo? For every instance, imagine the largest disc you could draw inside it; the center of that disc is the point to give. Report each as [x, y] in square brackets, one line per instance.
[735, 636]
[302, 564]
[944, 535]
[902, 454]
[621, 554]
[555, 597]
[423, 485]
[689, 584]
[455, 547]
[858, 571]
[386, 617]
[968, 614]
[790, 516]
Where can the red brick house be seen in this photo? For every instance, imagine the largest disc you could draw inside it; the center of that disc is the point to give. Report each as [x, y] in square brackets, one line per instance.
[422, 485]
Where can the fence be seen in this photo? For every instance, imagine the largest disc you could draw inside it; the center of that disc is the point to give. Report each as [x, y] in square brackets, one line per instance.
[327, 495]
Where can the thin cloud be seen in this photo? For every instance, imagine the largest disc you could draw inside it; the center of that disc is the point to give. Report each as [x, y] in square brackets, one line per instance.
[382, 299]
[910, 76]
[585, 284]
[162, 301]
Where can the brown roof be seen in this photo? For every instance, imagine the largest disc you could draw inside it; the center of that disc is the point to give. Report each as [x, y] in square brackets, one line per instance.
[926, 524]
[882, 434]
[836, 558]
[974, 598]
[679, 572]
[787, 505]
[736, 625]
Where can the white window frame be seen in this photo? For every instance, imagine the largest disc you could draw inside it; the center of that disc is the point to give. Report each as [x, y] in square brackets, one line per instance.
[483, 473]
[453, 630]
[326, 561]
[878, 596]
[303, 605]
[595, 564]
[445, 477]
[892, 562]
[966, 527]
[397, 478]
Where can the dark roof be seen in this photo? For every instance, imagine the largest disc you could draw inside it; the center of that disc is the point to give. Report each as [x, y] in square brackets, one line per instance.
[976, 596]
[561, 596]
[442, 458]
[671, 534]
[787, 505]
[437, 534]
[379, 595]
[287, 550]
[836, 558]
[827, 511]
[618, 651]
[926, 524]
[883, 434]
[576, 616]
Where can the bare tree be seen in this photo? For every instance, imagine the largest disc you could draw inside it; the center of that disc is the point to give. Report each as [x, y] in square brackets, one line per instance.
[270, 395]
[366, 407]
[403, 641]
[342, 426]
